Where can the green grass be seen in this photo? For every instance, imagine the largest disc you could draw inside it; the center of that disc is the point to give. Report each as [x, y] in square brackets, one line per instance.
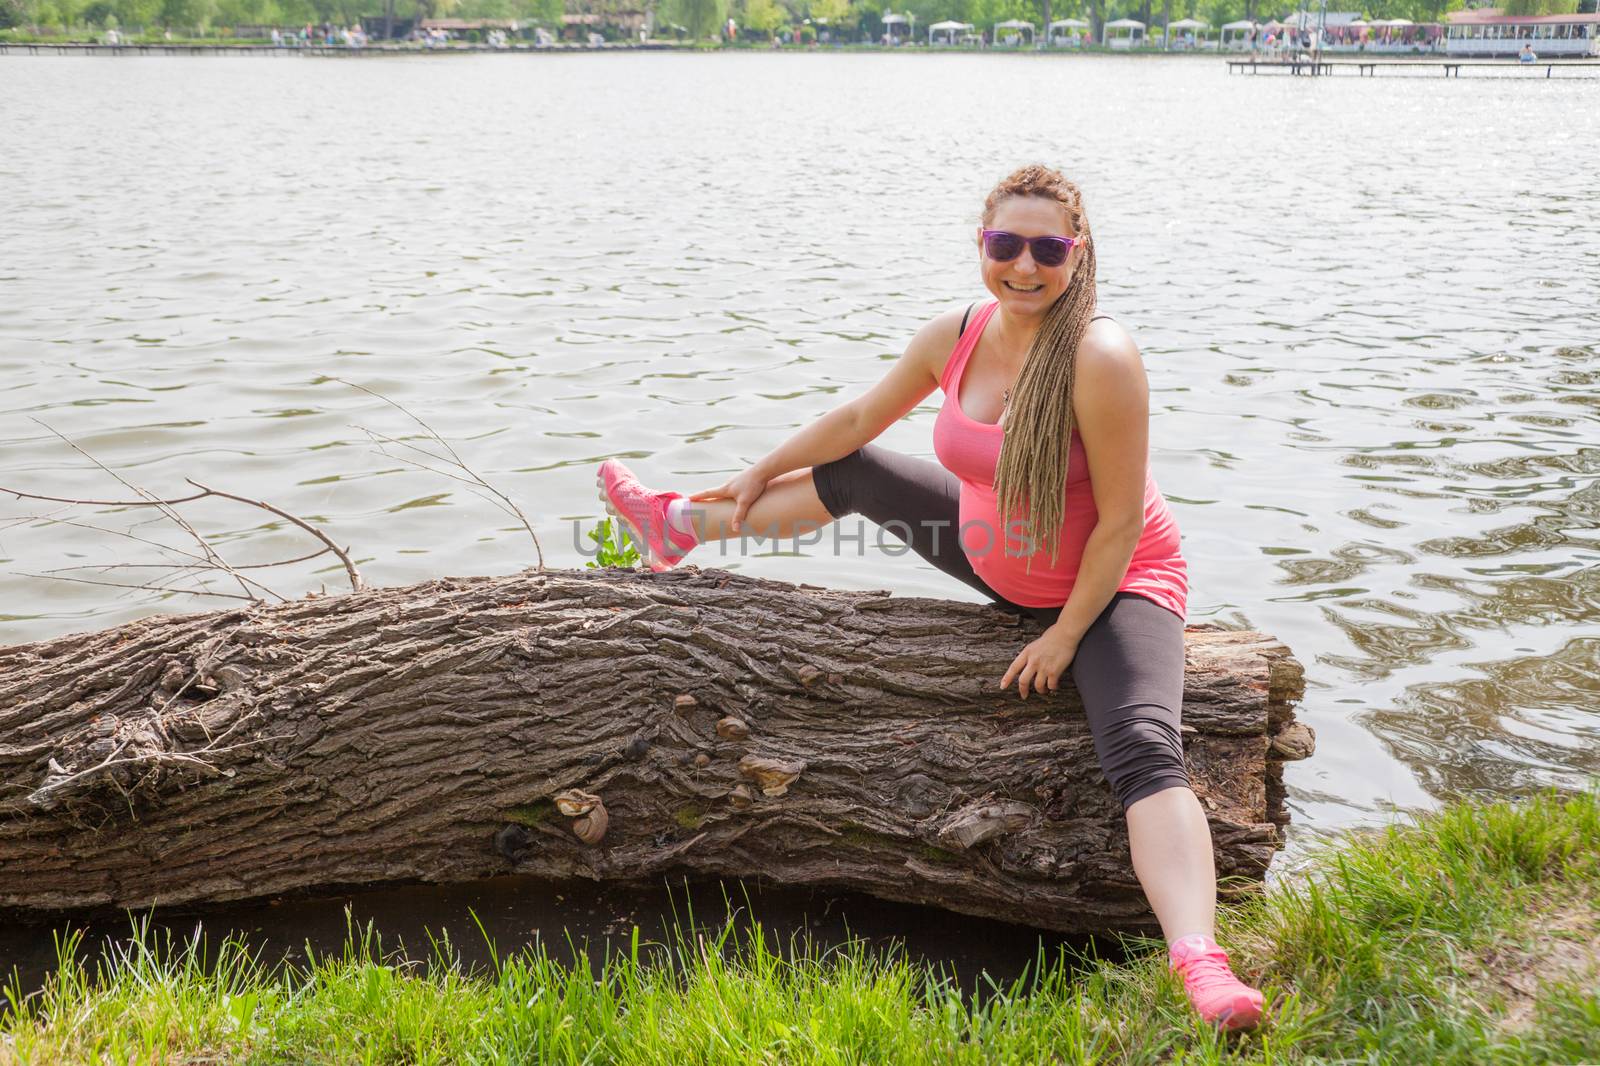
[1469, 937]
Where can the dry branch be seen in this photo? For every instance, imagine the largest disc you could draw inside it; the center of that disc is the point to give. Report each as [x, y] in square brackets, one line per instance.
[468, 476]
[209, 558]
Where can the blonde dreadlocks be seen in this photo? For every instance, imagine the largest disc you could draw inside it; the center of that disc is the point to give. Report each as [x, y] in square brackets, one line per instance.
[1032, 471]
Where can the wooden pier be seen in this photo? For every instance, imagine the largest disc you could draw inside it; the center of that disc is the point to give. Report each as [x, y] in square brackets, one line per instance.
[1364, 68]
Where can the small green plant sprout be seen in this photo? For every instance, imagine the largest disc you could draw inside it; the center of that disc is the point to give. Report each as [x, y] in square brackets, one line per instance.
[612, 547]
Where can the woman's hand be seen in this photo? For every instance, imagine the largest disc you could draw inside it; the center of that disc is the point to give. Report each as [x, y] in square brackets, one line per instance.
[1041, 664]
[743, 489]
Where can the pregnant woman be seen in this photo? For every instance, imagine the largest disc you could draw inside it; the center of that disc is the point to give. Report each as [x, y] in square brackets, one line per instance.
[1042, 499]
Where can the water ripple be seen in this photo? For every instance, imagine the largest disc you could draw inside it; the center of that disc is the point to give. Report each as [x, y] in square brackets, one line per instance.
[1374, 349]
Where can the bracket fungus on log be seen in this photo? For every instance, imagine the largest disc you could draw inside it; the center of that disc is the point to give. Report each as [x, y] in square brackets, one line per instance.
[458, 730]
[772, 776]
[588, 814]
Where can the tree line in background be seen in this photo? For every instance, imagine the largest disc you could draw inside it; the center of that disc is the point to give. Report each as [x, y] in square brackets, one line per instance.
[844, 19]
[703, 16]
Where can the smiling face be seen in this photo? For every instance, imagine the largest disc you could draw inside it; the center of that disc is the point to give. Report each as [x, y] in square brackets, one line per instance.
[1024, 288]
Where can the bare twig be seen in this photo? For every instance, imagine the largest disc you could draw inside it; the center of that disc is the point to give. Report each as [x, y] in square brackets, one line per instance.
[151, 502]
[166, 508]
[356, 584]
[144, 588]
[379, 440]
[211, 559]
[43, 796]
[103, 567]
[454, 458]
[198, 563]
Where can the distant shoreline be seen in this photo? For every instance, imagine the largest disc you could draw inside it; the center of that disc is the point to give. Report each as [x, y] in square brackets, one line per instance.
[185, 48]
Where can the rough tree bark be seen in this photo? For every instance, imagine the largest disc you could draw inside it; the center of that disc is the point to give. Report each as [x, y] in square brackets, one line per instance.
[601, 725]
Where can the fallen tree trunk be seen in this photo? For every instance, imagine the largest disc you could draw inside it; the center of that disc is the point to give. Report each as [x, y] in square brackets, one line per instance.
[601, 725]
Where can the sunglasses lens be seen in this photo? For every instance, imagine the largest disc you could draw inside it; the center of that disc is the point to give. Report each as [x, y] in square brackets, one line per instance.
[1050, 251]
[1002, 247]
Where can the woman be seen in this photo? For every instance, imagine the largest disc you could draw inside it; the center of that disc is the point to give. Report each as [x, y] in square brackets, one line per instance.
[1041, 499]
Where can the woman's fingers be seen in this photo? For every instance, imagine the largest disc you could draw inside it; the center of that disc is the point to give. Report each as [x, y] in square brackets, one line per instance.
[1025, 679]
[710, 494]
[1011, 671]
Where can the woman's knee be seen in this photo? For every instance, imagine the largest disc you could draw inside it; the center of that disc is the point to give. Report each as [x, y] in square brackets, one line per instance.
[836, 482]
[1142, 755]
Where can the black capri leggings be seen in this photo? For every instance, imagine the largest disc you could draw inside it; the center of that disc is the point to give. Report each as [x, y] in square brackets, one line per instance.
[1129, 665]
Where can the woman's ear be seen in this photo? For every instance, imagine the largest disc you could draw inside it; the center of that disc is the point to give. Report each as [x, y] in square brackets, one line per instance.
[1076, 260]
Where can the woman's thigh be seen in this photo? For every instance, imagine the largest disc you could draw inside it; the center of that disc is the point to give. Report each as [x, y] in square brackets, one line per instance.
[913, 500]
[1129, 673]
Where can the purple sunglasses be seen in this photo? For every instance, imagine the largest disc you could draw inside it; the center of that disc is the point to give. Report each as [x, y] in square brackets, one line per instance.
[1003, 246]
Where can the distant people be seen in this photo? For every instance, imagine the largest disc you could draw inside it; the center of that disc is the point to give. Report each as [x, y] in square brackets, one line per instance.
[1527, 55]
[277, 38]
[113, 37]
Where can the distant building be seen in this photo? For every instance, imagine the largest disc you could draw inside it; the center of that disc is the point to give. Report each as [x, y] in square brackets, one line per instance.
[612, 18]
[1486, 32]
[464, 25]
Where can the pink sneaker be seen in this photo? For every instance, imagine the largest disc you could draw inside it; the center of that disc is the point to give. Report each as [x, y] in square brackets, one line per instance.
[1216, 995]
[645, 514]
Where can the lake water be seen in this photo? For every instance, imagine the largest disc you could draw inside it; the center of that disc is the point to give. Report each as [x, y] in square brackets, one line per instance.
[1368, 309]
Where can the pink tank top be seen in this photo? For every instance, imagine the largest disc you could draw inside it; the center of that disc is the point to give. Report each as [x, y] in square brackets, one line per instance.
[970, 450]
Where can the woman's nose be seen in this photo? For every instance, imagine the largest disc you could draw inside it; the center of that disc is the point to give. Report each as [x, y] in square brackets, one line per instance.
[1025, 263]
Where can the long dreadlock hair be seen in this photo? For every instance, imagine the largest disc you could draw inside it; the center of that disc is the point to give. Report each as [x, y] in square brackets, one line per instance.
[1032, 471]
